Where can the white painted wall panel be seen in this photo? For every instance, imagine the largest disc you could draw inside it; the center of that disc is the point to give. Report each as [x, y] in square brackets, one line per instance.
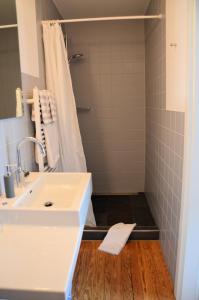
[176, 54]
[26, 18]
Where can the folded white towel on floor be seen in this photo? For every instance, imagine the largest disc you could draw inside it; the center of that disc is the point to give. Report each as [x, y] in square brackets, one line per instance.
[116, 238]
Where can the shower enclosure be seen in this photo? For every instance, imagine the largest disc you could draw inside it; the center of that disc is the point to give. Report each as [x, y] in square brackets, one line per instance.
[107, 63]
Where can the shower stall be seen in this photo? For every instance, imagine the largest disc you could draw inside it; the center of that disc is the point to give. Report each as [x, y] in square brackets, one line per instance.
[107, 63]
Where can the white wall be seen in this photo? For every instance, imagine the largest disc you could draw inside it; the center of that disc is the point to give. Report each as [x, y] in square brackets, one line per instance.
[111, 80]
[187, 283]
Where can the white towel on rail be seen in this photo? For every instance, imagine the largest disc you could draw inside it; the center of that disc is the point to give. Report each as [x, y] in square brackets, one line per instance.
[47, 107]
[116, 238]
[48, 113]
[53, 109]
[49, 133]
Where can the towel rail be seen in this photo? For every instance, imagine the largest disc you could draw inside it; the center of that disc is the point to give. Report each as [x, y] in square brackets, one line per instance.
[31, 98]
[48, 169]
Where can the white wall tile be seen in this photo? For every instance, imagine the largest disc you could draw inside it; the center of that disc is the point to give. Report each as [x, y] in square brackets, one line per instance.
[111, 80]
[164, 141]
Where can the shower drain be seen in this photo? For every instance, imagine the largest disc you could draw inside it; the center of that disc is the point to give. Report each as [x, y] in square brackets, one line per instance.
[48, 204]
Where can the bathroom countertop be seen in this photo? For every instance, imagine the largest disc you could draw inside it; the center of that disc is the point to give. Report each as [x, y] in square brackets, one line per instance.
[37, 262]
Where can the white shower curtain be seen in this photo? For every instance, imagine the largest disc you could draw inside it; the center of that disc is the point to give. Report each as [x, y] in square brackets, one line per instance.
[58, 80]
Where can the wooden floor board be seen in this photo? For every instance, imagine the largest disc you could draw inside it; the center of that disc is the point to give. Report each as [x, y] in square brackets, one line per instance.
[138, 273]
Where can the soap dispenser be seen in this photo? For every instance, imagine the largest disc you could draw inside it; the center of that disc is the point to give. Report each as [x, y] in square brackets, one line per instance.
[9, 183]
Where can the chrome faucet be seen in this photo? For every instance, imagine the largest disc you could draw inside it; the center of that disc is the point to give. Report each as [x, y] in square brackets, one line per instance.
[19, 163]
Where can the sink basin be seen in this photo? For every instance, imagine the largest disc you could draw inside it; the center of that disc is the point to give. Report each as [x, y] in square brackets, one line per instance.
[52, 199]
[63, 190]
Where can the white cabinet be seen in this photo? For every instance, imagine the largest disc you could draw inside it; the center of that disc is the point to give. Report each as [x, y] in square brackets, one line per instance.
[176, 54]
[28, 37]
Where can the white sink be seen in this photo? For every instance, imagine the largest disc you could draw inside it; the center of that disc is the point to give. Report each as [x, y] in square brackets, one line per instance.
[51, 199]
[64, 190]
[39, 244]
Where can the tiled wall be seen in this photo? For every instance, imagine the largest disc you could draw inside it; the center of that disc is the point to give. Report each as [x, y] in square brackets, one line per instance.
[13, 130]
[164, 141]
[111, 80]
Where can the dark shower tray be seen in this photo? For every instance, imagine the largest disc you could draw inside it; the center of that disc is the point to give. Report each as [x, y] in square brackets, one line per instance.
[113, 209]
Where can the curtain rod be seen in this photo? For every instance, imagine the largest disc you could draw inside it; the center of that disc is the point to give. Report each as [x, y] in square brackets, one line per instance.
[8, 26]
[104, 19]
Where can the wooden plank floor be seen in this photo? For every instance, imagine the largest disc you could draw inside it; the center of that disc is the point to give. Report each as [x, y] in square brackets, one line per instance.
[138, 273]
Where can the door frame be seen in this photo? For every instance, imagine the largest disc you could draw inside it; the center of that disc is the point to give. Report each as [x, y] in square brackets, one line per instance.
[187, 269]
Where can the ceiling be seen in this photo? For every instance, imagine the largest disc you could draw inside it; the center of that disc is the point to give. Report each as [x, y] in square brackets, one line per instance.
[100, 8]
